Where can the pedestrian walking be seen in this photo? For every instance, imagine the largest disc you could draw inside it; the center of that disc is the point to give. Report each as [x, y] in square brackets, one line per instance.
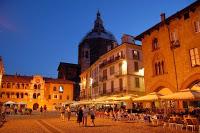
[68, 113]
[79, 115]
[62, 113]
[85, 115]
[92, 114]
[41, 110]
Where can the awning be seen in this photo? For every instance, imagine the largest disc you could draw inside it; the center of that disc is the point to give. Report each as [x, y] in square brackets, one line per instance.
[154, 96]
[186, 94]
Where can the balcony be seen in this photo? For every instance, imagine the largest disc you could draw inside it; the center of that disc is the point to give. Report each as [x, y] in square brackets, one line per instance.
[119, 74]
[175, 44]
[111, 61]
[103, 78]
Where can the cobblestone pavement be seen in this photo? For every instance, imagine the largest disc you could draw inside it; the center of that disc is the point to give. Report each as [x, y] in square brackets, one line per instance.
[51, 123]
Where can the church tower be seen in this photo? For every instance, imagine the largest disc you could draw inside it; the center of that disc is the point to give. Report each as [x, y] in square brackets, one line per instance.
[2, 72]
[96, 43]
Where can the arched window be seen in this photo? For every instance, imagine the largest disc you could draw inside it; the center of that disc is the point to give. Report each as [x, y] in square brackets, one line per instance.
[163, 68]
[17, 94]
[156, 69]
[39, 86]
[54, 88]
[35, 86]
[159, 68]
[22, 95]
[155, 44]
[8, 85]
[18, 85]
[34, 96]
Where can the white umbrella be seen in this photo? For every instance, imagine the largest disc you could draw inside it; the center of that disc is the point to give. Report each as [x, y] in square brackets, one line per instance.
[9, 102]
[22, 103]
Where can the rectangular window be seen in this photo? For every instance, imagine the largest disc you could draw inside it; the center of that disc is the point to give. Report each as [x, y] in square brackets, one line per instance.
[197, 26]
[120, 84]
[49, 97]
[67, 97]
[137, 82]
[60, 97]
[136, 66]
[104, 88]
[135, 54]
[194, 57]
[120, 68]
[112, 86]
[112, 70]
[173, 36]
[105, 74]
[55, 96]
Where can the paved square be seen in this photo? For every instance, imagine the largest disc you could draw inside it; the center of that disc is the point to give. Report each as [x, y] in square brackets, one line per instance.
[51, 123]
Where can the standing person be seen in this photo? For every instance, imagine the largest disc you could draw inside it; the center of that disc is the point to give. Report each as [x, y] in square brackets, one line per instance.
[45, 109]
[62, 114]
[68, 113]
[15, 109]
[92, 114]
[41, 110]
[85, 114]
[80, 115]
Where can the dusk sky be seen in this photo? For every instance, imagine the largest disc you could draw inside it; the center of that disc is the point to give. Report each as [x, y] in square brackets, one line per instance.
[35, 35]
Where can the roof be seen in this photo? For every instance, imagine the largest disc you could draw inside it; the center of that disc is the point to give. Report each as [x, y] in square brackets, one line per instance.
[66, 65]
[27, 79]
[59, 81]
[17, 78]
[167, 20]
[99, 31]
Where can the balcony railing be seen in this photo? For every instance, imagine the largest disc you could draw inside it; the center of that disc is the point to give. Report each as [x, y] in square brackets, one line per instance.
[111, 61]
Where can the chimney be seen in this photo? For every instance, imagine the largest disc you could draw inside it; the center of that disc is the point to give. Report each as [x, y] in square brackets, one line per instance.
[162, 16]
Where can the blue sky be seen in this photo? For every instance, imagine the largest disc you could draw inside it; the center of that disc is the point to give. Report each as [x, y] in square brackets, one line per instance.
[35, 35]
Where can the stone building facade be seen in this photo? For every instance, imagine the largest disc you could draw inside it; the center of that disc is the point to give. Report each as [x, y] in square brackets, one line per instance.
[35, 91]
[171, 51]
[119, 71]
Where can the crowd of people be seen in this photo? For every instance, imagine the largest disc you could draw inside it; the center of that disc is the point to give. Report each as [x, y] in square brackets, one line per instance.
[82, 114]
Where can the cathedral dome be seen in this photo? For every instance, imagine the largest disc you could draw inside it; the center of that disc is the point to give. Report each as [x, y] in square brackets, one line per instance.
[99, 31]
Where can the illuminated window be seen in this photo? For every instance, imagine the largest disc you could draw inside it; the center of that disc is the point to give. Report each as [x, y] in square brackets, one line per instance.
[55, 96]
[194, 57]
[135, 54]
[197, 26]
[61, 89]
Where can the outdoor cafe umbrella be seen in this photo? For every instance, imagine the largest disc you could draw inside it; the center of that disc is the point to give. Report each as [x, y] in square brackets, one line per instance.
[186, 94]
[9, 102]
[154, 96]
[22, 103]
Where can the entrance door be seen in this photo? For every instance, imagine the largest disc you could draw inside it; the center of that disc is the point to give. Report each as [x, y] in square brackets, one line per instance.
[35, 106]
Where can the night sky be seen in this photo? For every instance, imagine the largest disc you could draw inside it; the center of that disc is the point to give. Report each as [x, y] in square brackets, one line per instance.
[35, 35]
